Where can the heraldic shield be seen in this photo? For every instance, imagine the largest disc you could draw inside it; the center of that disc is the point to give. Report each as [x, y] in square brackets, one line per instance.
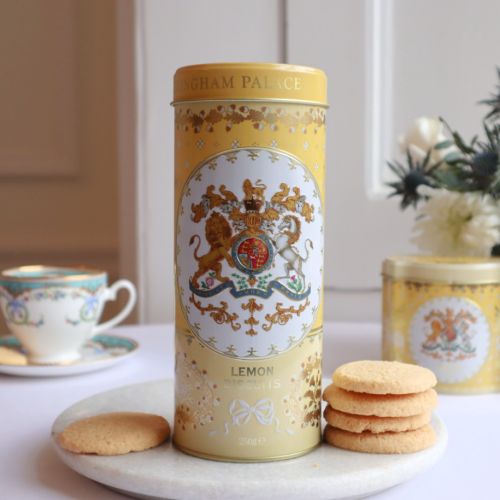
[249, 253]
[451, 336]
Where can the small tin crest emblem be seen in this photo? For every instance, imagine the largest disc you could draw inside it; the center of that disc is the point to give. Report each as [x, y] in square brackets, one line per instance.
[451, 336]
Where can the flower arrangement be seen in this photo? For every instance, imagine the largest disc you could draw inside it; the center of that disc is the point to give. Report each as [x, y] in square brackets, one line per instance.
[453, 184]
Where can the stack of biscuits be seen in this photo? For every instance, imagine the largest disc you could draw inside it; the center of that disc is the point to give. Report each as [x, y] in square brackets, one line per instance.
[380, 407]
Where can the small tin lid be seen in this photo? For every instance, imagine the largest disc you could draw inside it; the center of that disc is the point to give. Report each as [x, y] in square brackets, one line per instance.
[250, 81]
[450, 270]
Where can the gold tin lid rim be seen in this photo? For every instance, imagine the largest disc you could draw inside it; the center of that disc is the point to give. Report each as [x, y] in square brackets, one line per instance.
[317, 104]
[263, 81]
[252, 65]
[447, 270]
[437, 281]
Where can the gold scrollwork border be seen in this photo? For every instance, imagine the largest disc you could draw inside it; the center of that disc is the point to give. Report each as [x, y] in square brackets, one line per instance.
[260, 117]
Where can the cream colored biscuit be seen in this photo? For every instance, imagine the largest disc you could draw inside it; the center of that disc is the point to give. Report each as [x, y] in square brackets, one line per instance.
[114, 433]
[12, 357]
[385, 442]
[380, 405]
[383, 377]
[362, 423]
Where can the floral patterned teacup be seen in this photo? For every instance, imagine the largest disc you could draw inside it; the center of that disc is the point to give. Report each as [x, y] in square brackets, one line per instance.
[53, 311]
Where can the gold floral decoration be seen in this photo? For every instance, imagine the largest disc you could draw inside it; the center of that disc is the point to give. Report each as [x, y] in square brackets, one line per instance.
[195, 394]
[218, 313]
[252, 306]
[283, 314]
[303, 404]
[260, 117]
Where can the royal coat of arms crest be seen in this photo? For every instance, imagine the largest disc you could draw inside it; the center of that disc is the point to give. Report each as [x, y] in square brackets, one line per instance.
[249, 252]
[450, 335]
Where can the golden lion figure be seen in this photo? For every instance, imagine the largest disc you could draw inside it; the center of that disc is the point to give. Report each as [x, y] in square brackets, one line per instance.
[218, 234]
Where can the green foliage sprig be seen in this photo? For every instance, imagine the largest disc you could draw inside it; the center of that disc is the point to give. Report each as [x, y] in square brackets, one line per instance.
[471, 166]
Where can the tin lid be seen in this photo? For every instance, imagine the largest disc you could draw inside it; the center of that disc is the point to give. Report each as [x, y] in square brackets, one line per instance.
[451, 270]
[250, 81]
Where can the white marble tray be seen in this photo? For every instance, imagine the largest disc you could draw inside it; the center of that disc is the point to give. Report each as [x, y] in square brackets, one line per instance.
[164, 472]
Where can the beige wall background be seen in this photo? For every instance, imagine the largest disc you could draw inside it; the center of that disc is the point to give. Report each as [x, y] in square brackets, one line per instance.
[58, 133]
[387, 61]
[86, 156]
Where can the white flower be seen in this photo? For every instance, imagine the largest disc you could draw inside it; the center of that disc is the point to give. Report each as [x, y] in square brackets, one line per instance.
[452, 223]
[424, 134]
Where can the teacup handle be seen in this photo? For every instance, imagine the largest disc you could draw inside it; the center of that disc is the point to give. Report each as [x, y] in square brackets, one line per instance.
[110, 294]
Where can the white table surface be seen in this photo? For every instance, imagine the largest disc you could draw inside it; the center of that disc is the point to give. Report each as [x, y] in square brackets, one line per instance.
[30, 469]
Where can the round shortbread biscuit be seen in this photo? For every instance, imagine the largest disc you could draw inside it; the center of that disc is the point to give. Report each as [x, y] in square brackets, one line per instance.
[362, 423]
[383, 377]
[114, 433]
[12, 357]
[385, 442]
[380, 405]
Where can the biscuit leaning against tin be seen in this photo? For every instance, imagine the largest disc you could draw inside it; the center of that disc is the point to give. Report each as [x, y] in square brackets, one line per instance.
[443, 313]
[249, 195]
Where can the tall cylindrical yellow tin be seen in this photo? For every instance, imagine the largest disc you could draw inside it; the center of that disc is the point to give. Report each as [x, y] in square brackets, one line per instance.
[249, 198]
[444, 314]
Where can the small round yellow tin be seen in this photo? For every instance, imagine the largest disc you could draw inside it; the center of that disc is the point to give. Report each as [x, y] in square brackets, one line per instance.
[443, 313]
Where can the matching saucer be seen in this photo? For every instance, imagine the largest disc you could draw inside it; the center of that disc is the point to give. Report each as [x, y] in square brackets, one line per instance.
[100, 352]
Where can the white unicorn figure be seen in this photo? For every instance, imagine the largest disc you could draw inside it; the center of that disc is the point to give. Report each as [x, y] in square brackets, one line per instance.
[289, 233]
